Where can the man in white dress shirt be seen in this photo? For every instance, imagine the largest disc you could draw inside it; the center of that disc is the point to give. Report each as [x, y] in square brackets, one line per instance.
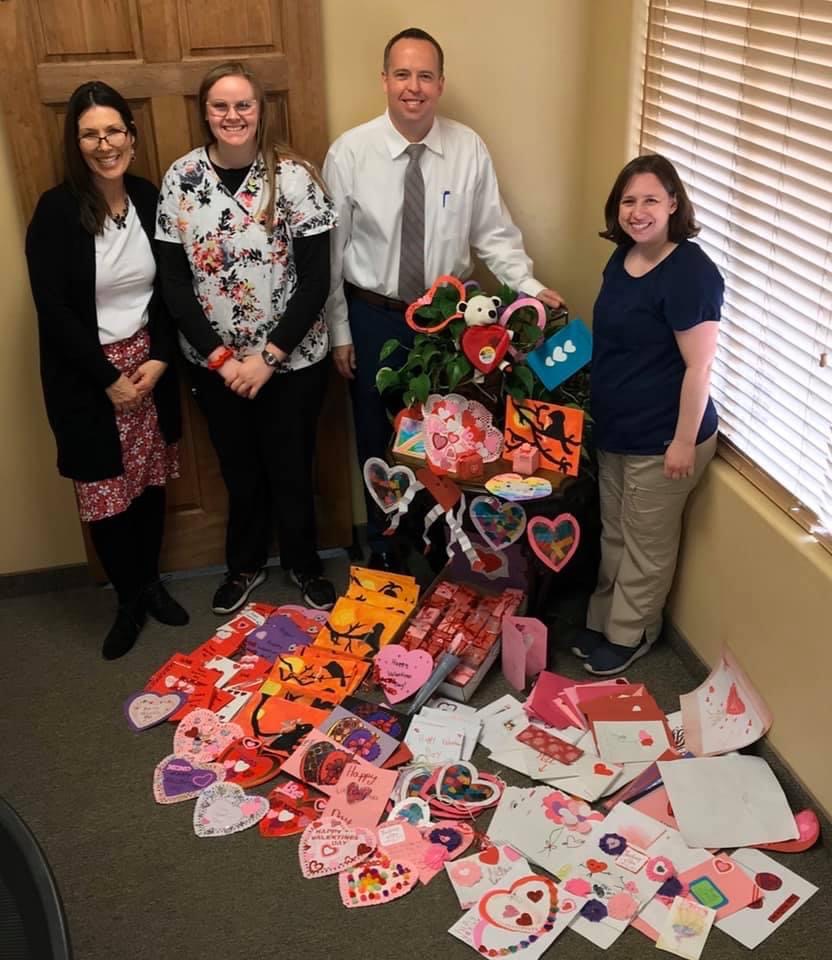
[463, 212]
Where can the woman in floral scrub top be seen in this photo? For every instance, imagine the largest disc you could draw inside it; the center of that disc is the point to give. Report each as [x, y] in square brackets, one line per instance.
[245, 270]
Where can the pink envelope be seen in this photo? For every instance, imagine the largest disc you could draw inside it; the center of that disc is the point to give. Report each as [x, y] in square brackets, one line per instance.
[542, 699]
[360, 796]
[524, 649]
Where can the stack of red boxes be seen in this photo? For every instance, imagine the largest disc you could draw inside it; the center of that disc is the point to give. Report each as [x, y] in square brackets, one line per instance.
[453, 609]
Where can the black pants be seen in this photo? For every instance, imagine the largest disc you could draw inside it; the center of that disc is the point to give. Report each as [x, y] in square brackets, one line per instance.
[129, 543]
[266, 449]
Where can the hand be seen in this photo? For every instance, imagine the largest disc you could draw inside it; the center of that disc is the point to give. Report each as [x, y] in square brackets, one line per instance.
[147, 375]
[252, 373]
[551, 298]
[344, 358]
[124, 395]
[679, 460]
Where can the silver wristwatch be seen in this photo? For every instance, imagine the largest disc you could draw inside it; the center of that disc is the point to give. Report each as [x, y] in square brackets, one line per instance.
[271, 359]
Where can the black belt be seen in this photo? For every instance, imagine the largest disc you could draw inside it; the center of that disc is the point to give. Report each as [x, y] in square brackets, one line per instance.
[375, 299]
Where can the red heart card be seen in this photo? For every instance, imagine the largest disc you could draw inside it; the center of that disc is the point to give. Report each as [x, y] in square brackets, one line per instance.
[246, 765]
[292, 807]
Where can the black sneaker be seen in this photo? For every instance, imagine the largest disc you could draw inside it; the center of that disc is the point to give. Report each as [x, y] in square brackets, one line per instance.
[586, 642]
[317, 591]
[162, 607]
[124, 631]
[234, 590]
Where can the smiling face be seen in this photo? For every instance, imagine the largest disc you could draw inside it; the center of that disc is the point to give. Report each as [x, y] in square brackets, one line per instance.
[645, 209]
[232, 111]
[413, 86]
[108, 160]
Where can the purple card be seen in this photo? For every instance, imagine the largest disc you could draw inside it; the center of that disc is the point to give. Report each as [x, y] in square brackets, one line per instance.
[359, 736]
[279, 635]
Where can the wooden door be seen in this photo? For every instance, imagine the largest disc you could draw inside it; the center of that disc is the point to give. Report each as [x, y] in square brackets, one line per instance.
[155, 53]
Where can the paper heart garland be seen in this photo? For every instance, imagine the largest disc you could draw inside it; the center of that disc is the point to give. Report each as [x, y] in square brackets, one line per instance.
[376, 881]
[291, 809]
[329, 845]
[554, 541]
[520, 304]
[485, 347]
[225, 808]
[145, 710]
[176, 779]
[427, 299]
[387, 485]
[401, 672]
[203, 737]
[525, 907]
[499, 524]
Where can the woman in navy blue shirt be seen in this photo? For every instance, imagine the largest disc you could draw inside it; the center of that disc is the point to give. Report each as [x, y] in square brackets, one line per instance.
[654, 337]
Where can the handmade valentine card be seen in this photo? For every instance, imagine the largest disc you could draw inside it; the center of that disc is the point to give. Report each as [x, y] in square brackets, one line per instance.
[402, 672]
[556, 432]
[547, 743]
[292, 807]
[317, 672]
[562, 355]
[182, 674]
[541, 700]
[428, 847]
[380, 716]
[318, 761]
[380, 600]
[555, 541]
[499, 524]
[470, 726]
[202, 737]
[277, 721]
[413, 810]
[376, 881]
[524, 915]
[410, 438]
[176, 779]
[628, 729]
[515, 486]
[230, 636]
[361, 794]
[278, 635]
[328, 846]
[146, 709]
[434, 743]
[725, 712]
[459, 789]
[524, 641]
[454, 426]
[686, 929]
[246, 764]
[397, 586]
[358, 736]
[720, 884]
[388, 486]
[359, 629]
[473, 876]
[225, 808]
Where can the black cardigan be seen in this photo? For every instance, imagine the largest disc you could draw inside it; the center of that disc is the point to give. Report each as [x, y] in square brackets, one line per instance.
[74, 370]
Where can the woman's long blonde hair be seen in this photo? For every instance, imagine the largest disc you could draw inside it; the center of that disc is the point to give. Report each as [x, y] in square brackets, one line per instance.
[270, 148]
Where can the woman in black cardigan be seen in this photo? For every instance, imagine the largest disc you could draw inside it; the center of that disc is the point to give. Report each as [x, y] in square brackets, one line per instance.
[105, 347]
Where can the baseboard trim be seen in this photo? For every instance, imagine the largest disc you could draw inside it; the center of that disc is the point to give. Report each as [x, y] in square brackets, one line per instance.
[52, 579]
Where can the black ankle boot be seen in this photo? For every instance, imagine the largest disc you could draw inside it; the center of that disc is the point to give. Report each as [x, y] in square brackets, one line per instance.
[124, 631]
[162, 607]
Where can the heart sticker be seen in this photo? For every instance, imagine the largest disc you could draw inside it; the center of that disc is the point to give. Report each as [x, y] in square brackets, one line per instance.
[525, 907]
[427, 299]
[401, 672]
[499, 524]
[376, 881]
[485, 347]
[387, 485]
[202, 736]
[225, 808]
[145, 710]
[514, 486]
[329, 845]
[554, 541]
[176, 779]
[520, 304]
[291, 809]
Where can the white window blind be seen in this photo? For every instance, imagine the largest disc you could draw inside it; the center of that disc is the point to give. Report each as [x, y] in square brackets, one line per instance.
[738, 94]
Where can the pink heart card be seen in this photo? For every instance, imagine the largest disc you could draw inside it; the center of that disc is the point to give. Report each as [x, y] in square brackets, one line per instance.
[176, 779]
[554, 542]
[721, 884]
[201, 736]
[329, 845]
[225, 808]
[402, 672]
[428, 847]
[292, 807]
[524, 649]
[361, 794]
[377, 881]
[146, 709]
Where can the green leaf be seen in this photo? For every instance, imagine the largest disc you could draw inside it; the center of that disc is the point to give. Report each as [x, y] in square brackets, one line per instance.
[457, 368]
[456, 327]
[388, 347]
[526, 378]
[386, 378]
[420, 387]
[408, 399]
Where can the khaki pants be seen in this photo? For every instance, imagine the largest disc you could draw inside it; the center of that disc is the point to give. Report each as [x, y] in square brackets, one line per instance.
[641, 514]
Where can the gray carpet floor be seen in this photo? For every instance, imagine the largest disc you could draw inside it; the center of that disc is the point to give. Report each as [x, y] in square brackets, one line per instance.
[138, 884]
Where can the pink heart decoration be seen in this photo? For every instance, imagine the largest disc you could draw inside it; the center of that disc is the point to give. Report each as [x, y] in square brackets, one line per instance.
[376, 881]
[145, 709]
[202, 736]
[329, 845]
[225, 808]
[387, 485]
[401, 672]
[519, 304]
[522, 908]
[176, 779]
[499, 524]
[554, 541]
[427, 847]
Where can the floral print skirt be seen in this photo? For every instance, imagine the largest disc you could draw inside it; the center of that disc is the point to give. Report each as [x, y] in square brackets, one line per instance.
[147, 459]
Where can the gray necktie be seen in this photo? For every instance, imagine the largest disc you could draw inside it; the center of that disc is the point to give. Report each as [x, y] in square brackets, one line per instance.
[412, 258]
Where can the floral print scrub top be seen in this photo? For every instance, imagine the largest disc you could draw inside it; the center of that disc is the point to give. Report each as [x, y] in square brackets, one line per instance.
[244, 278]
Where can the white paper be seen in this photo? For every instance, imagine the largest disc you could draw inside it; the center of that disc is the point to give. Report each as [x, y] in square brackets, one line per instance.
[686, 929]
[452, 707]
[629, 742]
[433, 742]
[751, 925]
[732, 801]
[473, 876]
[470, 726]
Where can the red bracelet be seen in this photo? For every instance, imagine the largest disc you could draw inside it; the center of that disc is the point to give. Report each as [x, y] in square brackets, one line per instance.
[225, 354]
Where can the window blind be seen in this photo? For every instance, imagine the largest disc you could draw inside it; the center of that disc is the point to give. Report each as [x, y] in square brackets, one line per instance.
[738, 94]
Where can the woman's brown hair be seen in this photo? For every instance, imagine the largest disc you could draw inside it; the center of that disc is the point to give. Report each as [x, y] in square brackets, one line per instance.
[270, 148]
[682, 224]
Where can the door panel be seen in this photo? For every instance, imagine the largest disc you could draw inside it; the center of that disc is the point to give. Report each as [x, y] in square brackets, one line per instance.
[155, 52]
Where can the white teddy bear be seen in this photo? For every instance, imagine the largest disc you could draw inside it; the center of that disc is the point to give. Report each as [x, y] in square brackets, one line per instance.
[479, 311]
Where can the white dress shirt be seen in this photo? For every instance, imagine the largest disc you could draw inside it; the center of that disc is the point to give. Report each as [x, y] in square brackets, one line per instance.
[364, 170]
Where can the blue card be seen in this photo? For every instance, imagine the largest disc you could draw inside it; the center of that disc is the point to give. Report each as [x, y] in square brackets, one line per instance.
[563, 354]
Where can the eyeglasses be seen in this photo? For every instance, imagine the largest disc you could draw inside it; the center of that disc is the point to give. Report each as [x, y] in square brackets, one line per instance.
[114, 138]
[219, 108]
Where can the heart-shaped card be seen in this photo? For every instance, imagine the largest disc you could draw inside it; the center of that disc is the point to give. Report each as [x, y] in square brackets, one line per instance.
[388, 486]
[413, 810]
[524, 907]
[329, 845]
[176, 779]
[401, 672]
[499, 524]
[146, 709]
[427, 299]
[292, 807]
[485, 347]
[247, 766]
[202, 736]
[514, 486]
[225, 808]
[428, 847]
[554, 541]
[376, 881]
[461, 787]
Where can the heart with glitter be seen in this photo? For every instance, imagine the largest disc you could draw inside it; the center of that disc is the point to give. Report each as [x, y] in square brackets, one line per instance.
[225, 808]
[378, 880]
[176, 779]
[202, 736]
[499, 524]
[329, 845]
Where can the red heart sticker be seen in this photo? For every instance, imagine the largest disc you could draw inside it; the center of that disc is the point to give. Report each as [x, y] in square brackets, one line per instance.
[602, 769]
